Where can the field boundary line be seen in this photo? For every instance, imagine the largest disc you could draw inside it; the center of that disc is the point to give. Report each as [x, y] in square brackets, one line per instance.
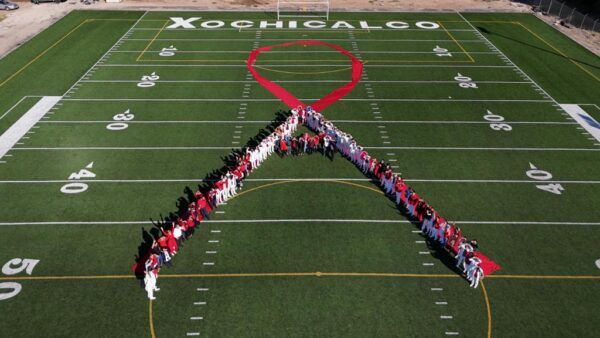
[456, 42]
[502, 54]
[557, 50]
[588, 104]
[541, 39]
[488, 309]
[67, 93]
[20, 70]
[303, 30]
[16, 104]
[139, 58]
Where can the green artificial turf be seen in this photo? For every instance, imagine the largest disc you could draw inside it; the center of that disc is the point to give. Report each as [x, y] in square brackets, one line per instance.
[298, 216]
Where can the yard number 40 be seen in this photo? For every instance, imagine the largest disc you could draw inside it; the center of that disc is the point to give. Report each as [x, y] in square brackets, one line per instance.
[13, 267]
[76, 187]
[543, 175]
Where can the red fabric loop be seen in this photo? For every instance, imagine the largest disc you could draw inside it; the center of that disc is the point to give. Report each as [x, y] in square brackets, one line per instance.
[291, 100]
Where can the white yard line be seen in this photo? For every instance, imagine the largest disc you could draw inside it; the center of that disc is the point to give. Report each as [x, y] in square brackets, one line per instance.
[302, 81]
[17, 131]
[283, 30]
[482, 148]
[15, 105]
[272, 39]
[588, 104]
[302, 99]
[368, 65]
[302, 220]
[366, 147]
[175, 180]
[503, 56]
[293, 52]
[103, 57]
[335, 121]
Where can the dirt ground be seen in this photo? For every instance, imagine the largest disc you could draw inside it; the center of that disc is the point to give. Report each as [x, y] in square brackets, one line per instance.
[21, 25]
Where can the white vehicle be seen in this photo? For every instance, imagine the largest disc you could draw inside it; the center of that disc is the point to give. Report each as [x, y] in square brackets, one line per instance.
[8, 6]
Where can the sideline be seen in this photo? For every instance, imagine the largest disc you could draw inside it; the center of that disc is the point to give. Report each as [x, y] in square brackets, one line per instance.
[20, 70]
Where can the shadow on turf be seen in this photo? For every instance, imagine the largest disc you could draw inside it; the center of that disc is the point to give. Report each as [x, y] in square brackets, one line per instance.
[230, 160]
[439, 251]
[487, 31]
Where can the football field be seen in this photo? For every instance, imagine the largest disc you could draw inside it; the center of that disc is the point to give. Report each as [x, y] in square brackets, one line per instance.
[110, 119]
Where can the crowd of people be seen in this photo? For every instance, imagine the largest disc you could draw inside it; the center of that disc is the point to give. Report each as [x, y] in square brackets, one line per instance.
[328, 139]
[172, 235]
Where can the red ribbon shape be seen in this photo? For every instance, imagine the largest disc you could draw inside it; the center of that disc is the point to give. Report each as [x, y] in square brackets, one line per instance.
[487, 264]
[291, 100]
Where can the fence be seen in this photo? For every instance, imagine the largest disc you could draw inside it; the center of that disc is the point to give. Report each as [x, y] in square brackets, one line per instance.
[569, 14]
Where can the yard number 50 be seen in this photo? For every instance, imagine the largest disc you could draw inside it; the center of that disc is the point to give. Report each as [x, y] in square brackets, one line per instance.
[13, 267]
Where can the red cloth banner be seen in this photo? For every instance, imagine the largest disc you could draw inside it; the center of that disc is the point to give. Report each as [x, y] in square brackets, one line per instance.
[291, 100]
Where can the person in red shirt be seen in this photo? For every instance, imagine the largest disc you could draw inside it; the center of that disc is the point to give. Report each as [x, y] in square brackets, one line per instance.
[305, 142]
[400, 191]
[198, 216]
[283, 148]
[191, 222]
[294, 146]
[376, 169]
[164, 249]
[388, 182]
[315, 142]
[171, 242]
[412, 203]
[455, 238]
[239, 176]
